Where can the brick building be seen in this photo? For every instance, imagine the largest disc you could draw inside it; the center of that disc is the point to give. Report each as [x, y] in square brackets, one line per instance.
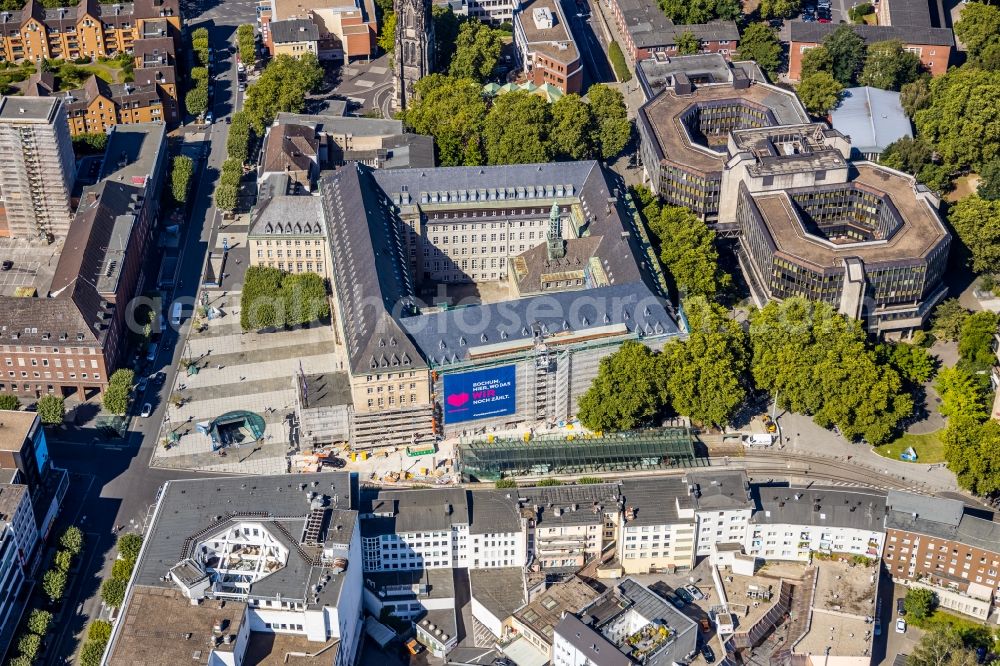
[98, 105]
[646, 31]
[546, 48]
[345, 29]
[71, 332]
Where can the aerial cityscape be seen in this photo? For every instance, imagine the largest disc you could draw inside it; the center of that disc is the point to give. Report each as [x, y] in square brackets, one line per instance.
[499, 332]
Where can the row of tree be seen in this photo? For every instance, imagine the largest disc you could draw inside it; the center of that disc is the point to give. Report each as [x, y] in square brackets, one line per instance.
[246, 42]
[272, 298]
[181, 172]
[812, 359]
[117, 394]
[516, 127]
[227, 191]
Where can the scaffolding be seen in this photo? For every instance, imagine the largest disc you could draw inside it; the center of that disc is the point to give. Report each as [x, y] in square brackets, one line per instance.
[660, 448]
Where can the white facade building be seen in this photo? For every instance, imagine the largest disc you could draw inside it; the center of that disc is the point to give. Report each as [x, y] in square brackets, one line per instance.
[723, 507]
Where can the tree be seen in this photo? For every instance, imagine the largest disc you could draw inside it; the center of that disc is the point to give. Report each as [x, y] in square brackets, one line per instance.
[706, 371]
[818, 362]
[282, 86]
[454, 113]
[972, 449]
[129, 546]
[571, 134]
[689, 12]
[446, 26]
[618, 62]
[961, 120]
[54, 584]
[607, 106]
[814, 61]
[515, 129]
[778, 9]
[915, 96]
[889, 66]
[477, 51]
[99, 630]
[63, 560]
[688, 43]
[90, 143]
[947, 320]
[942, 645]
[912, 362]
[196, 100]
[989, 180]
[240, 137]
[978, 26]
[259, 300]
[687, 249]
[629, 390]
[91, 653]
[51, 409]
[39, 621]
[305, 298]
[857, 13]
[919, 603]
[9, 402]
[72, 539]
[113, 592]
[962, 394]
[182, 169]
[116, 396]
[977, 222]
[975, 342]
[387, 32]
[907, 154]
[29, 645]
[820, 93]
[227, 193]
[847, 53]
[505, 483]
[759, 42]
[122, 569]
[247, 44]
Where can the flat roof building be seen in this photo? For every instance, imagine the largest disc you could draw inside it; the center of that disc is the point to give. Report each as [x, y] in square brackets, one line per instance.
[647, 31]
[546, 47]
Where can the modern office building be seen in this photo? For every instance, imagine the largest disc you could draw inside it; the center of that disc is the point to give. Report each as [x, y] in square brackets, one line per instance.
[67, 330]
[18, 543]
[251, 566]
[37, 175]
[546, 48]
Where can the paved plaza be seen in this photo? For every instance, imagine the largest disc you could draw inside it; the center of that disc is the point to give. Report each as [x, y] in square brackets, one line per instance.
[242, 371]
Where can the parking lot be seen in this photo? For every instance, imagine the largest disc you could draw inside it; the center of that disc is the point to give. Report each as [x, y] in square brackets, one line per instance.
[32, 264]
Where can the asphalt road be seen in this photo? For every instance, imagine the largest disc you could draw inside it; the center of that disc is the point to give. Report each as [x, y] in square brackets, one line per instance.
[112, 483]
[589, 41]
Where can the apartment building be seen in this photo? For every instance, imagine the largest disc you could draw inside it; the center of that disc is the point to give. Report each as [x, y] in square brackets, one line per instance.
[345, 29]
[723, 508]
[533, 625]
[647, 31]
[657, 530]
[934, 542]
[793, 523]
[37, 175]
[546, 48]
[251, 566]
[98, 105]
[69, 333]
[156, 65]
[568, 526]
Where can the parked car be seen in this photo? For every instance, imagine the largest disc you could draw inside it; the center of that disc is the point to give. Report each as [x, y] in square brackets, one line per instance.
[147, 409]
[675, 600]
[6, 265]
[901, 606]
[705, 624]
[141, 386]
[706, 652]
[900, 626]
[685, 595]
[694, 592]
[209, 118]
[159, 378]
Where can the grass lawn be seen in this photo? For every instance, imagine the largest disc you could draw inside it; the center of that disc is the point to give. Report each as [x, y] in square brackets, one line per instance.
[929, 447]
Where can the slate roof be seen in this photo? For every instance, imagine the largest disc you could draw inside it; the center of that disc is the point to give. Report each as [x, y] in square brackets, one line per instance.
[816, 32]
[856, 509]
[500, 591]
[194, 509]
[288, 215]
[649, 27]
[872, 118]
[493, 512]
[596, 648]
[586, 498]
[421, 510]
[655, 501]
[941, 518]
[721, 490]
[289, 147]
[293, 30]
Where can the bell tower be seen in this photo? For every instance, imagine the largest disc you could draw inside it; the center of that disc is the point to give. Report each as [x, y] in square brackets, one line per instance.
[414, 50]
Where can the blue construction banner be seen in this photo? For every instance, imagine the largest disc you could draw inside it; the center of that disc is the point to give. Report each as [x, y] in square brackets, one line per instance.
[480, 394]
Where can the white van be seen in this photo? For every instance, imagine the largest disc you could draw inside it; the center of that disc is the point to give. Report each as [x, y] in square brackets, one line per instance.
[175, 314]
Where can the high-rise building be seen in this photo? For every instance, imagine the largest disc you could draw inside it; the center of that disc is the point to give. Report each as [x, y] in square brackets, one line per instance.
[37, 172]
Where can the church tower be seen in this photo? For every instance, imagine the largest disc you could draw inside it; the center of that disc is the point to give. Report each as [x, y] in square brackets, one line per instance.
[414, 51]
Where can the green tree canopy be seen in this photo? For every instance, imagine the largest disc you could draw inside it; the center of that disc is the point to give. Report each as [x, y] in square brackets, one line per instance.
[913, 363]
[989, 180]
[629, 390]
[72, 539]
[688, 250]
[919, 603]
[387, 32]
[618, 62]
[947, 320]
[454, 113]
[972, 449]
[181, 171]
[688, 43]
[688, 12]
[113, 592]
[247, 44]
[889, 66]
[51, 409]
[759, 43]
[607, 106]
[240, 137]
[63, 560]
[515, 129]
[119, 389]
[446, 26]
[29, 645]
[129, 545]
[962, 394]
[814, 61]
[977, 222]
[975, 342]
[571, 133]
[282, 86]
[196, 100]
[272, 298]
[122, 569]
[941, 645]
[915, 96]
[706, 381]
[778, 9]
[978, 26]
[477, 51]
[818, 362]
[961, 121]
[820, 93]
[847, 52]
[9, 402]
[99, 630]
[54, 584]
[39, 621]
